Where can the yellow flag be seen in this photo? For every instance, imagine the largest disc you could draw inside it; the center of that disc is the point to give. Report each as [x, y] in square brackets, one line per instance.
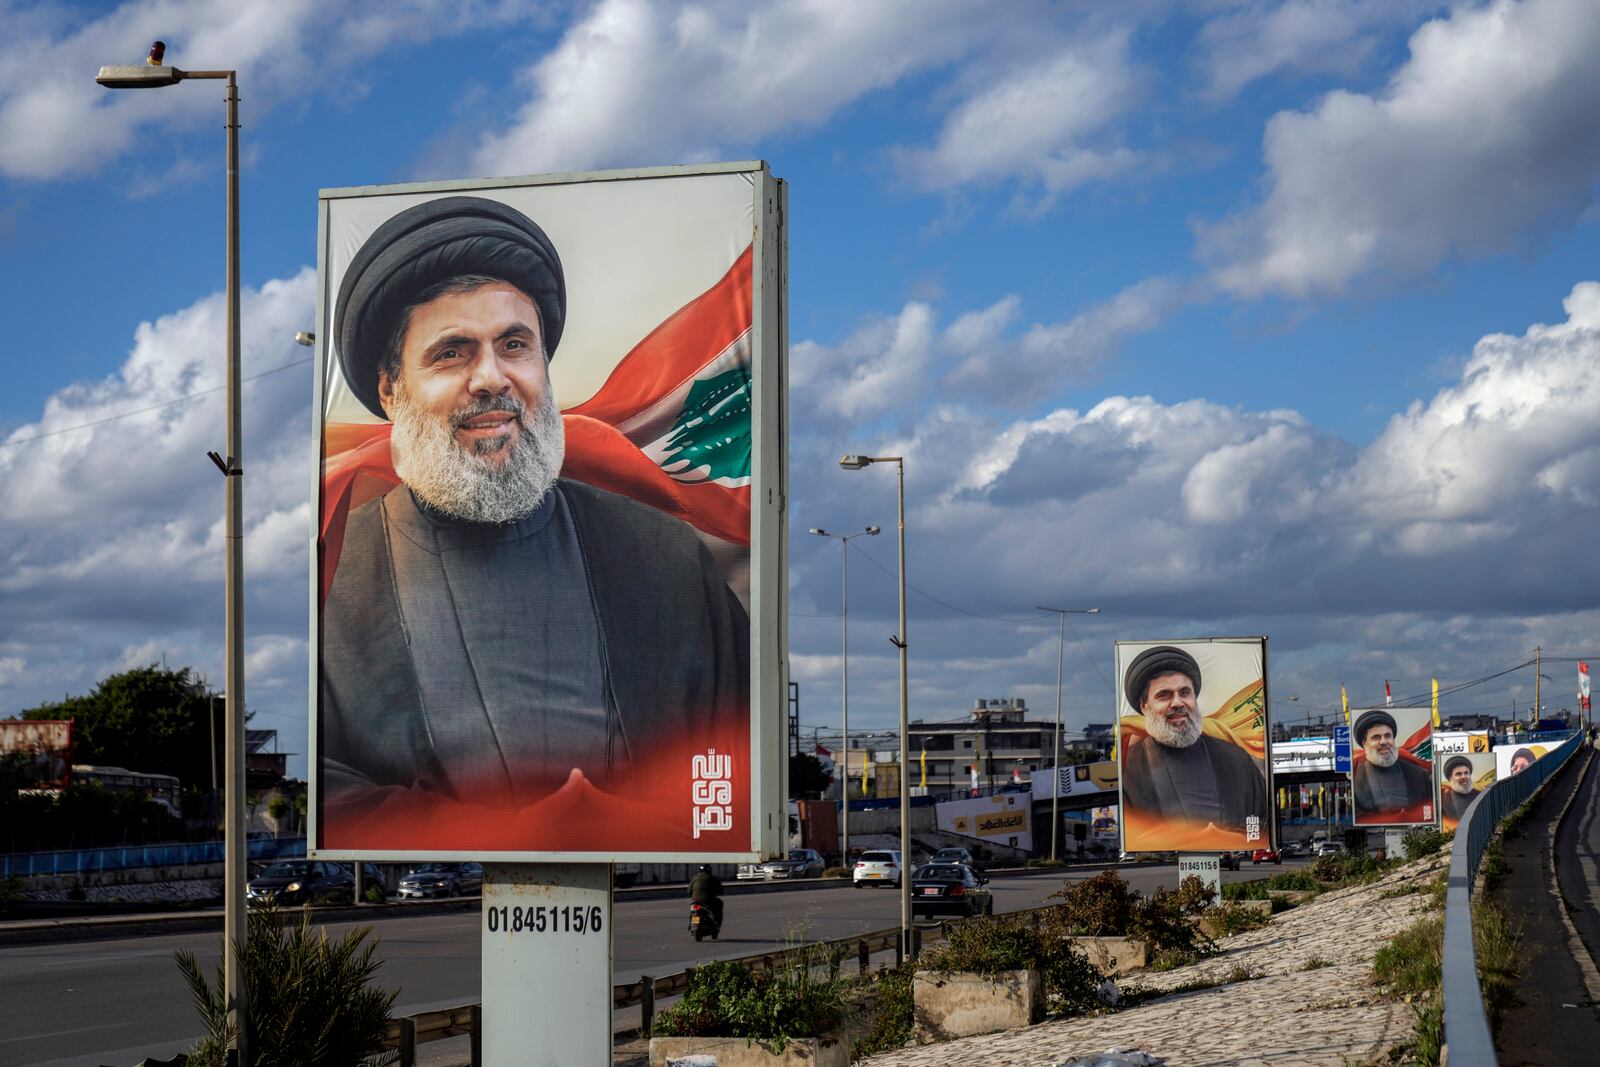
[1344, 702]
[1436, 703]
[924, 782]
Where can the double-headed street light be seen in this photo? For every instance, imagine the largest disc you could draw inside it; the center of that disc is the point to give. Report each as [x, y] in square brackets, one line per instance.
[1055, 768]
[855, 463]
[844, 540]
[154, 74]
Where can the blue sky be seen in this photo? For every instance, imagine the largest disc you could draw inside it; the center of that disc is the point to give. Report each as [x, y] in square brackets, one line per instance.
[1224, 316]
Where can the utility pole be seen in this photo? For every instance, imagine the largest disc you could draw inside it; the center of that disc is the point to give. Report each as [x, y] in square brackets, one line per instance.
[1538, 706]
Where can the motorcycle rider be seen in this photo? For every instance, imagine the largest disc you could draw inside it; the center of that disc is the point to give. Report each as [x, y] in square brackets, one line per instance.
[706, 888]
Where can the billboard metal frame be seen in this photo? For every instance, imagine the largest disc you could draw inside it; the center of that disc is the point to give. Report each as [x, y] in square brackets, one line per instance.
[769, 547]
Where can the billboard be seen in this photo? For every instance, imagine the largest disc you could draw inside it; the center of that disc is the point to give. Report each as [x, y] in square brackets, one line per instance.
[1513, 758]
[1391, 776]
[1462, 776]
[1104, 826]
[1192, 745]
[548, 606]
[1079, 779]
[1302, 755]
[1004, 819]
[47, 744]
[1450, 742]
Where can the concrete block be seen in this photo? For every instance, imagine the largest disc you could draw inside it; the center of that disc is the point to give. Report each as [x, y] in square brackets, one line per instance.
[1115, 956]
[742, 1052]
[959, 1004]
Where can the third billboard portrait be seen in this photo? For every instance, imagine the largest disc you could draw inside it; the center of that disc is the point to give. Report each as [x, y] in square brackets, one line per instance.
[1462, 776]
[1391, 766]
[1192, 745]
[550, 451]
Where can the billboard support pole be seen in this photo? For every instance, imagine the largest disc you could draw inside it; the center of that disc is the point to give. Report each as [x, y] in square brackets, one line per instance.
[546, 937]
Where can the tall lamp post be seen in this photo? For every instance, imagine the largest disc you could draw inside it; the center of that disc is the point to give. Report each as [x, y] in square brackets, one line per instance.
[855, 463]
[152, 74]
[844, 540]
[1061, 660]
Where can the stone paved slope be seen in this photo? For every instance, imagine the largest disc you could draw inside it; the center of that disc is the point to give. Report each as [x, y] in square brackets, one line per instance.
[1330, 1015]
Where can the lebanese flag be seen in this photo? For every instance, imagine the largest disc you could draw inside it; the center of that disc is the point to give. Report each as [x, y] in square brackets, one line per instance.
[1388, 697]
[670, 427]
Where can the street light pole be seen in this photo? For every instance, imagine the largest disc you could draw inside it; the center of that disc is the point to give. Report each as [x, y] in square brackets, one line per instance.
[1055, 766]
[855, 463]
[844, 600]
[151, 75]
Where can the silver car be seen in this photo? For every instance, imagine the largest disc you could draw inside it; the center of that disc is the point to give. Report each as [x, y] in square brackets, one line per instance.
[442, 880]
[801, 863]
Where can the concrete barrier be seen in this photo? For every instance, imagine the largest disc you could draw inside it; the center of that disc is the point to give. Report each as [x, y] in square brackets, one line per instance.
[1114, 957]
[962, 1004]
[744, 1052]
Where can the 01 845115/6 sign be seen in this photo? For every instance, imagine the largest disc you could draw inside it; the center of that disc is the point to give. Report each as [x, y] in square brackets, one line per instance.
[543, 919]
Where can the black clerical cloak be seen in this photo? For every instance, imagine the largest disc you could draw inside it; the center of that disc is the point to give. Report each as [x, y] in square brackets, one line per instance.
[673, 653]
[1241, 789]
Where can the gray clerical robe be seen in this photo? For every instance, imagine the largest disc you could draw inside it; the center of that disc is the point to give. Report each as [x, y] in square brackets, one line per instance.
[485, 662]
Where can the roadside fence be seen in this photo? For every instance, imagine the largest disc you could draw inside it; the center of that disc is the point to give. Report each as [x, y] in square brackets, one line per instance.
[136, 857]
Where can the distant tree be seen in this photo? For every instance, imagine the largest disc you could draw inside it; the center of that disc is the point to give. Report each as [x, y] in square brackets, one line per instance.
[147, 719]
[807, 779]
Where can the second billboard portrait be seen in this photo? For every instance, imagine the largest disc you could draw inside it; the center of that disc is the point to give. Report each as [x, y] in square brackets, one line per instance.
[1192, 745]
[1391, 766]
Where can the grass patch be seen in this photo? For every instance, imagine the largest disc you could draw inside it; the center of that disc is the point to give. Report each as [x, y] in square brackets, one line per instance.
[892, 1014]
[1493, 865]
[1315, 963]
[1297, 880]
[836, 872]
[1421, 841]
[726, 999]
[1246, 891]
[1231, 919]
[1411, 963]
[1037, 863]
[1495, 940]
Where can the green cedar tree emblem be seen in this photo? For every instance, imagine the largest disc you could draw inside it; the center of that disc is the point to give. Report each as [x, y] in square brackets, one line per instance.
[713, 429]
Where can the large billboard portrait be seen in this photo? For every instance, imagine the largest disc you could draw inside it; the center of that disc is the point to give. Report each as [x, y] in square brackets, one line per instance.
[1514, 758]
[1462, 776]
[548, 609]
[1391, 766]
[1192, 745]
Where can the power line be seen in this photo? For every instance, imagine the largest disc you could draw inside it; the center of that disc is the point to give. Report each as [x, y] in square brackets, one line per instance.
[146, 410]
[941, 603]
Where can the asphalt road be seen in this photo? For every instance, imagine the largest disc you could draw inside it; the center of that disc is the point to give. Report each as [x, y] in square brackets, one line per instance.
[115, 1001]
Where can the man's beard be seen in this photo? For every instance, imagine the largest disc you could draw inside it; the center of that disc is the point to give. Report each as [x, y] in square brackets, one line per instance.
[458, 481]
[1171, 736]
[1378, 759]
[1463, 788]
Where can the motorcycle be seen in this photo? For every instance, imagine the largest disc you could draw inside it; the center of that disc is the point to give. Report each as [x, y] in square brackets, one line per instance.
[703, 921]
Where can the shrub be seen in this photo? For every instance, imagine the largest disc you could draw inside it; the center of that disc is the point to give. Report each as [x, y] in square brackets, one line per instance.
[1355, 840]
[374, 894]
[1045, 862]
[1230, 919]
[1297, 880]
[1193, 896]
[1105, 906]
[990, 946]
[726, 999]
[1246, 891]
[311, 1001]
[1346, 868]
[893, 1014]
[1420, 841]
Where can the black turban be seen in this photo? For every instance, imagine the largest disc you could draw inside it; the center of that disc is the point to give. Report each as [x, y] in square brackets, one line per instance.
[1523, 752]
[429, 244]
[1368, 719]
[1152, 663]
[1454, 761]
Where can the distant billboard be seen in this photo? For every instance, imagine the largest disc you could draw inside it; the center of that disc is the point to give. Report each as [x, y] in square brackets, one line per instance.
[1081, 779]
[1005, 818]
[1514, 758]
[1450, 742]
[1192, 745]
[549, 618]
[1302, 754]
[47, 746]
[1462, 776]
[1392, 766]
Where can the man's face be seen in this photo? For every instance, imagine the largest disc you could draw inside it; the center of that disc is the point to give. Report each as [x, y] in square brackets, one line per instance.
[1170, 710]
[1520, 763]
[1461, 779]
[466, 352]
[1379, 745]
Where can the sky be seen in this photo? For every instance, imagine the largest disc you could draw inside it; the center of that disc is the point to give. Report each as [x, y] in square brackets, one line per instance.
[1225, 317]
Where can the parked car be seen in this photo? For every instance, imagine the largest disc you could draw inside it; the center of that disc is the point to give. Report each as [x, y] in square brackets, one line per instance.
[441, 880]
[1291, 849]
[949, 887]
[956, 855]
[1326, 848]
[1229, 861]
[801, 863]
[876, 866]
[302, 882]
[1265, 855]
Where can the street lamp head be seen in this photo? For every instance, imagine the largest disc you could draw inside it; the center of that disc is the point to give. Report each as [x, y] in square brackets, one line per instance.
[854, 463]
[305, 337]
[139, 77]
[819, 531]
[1092, 611]
[873, 530]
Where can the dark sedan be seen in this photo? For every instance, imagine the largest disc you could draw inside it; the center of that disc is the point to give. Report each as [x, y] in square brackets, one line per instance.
[949, 887]
[302, 882]
[442, 880]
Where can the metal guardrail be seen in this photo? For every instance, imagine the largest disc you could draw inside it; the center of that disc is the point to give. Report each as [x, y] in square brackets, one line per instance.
[135, 857]
[1466, 1025]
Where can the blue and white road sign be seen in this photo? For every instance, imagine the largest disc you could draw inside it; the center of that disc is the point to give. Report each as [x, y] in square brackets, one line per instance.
[1341, 749]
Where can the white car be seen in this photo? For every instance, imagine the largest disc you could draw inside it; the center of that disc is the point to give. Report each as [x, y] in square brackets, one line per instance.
[877, 867]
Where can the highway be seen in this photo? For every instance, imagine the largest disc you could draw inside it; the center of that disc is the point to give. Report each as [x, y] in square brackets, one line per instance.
[118, 1000]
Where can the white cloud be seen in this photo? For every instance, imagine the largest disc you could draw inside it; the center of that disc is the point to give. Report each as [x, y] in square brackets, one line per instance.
[1035, 120]
[1255, 39]
[1484, 136]
[55, 121]
[634, 82]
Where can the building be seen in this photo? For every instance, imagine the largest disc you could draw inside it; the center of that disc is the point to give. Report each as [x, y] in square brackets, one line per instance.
[999, 742]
